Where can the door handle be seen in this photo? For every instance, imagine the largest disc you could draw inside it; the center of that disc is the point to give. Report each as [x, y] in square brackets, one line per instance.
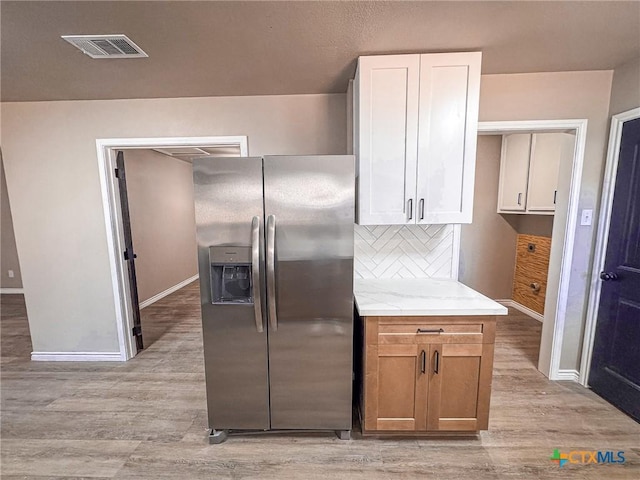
[255, 272]
[436, 367]
[411, 209]
[608, 276]
[271, 272]
[422, 209]
[423, 362]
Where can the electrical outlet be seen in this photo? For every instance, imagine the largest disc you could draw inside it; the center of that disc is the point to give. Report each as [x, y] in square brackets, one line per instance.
[585, 218]
[10, 273]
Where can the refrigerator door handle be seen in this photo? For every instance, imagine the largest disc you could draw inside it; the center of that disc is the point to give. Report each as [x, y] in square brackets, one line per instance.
[255, 271]
[271, 272]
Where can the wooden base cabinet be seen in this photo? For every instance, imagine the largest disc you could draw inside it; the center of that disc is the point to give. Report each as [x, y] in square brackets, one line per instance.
[426, 374]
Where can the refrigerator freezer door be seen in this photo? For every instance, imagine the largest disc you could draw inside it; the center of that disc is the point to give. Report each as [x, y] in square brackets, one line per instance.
[228, 196]
[311, 200]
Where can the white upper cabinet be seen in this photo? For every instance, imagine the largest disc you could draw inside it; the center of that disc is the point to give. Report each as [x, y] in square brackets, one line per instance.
[447, 134]
[547, 151]
[529, 169]
[386, 106]
[415, 125]
[514, 172]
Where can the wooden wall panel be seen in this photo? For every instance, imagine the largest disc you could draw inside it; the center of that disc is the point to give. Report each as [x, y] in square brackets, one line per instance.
[531, 268]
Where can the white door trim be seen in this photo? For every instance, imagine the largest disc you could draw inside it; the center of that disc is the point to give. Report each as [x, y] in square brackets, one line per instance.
[113, 219]
[602, 234]
[580, 127]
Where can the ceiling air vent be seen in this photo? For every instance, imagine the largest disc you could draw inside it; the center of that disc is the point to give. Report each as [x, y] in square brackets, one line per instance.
[106, 46]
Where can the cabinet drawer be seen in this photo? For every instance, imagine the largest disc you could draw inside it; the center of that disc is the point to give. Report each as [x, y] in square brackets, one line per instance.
[416, 333]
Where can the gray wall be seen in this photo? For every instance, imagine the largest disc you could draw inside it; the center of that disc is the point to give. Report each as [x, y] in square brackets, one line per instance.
[70, 303]
[625, 91]
[533, 224]
[160, 190]
[488, 245]
[561, 95]
[53, 183]
[8, 251]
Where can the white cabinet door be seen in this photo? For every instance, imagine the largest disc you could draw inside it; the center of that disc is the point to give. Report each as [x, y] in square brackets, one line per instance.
[514, 168]
[547, 151]
[386, 98]
[448, 128]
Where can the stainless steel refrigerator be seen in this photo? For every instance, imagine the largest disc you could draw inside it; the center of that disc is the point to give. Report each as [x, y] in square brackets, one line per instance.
[275, 254]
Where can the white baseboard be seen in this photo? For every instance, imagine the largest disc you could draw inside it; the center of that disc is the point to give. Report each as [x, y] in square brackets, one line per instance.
[11, 291]
[522, 308]
[76, 357]
[570, 375]
[168, 291]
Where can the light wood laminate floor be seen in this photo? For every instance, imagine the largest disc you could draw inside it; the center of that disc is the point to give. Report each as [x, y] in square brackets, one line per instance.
[146, 418]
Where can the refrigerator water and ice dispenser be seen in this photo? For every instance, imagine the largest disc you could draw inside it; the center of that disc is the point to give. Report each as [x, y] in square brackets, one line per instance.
[230, 274]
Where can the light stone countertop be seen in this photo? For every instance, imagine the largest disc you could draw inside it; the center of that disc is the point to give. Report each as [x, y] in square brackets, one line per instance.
[421, 296]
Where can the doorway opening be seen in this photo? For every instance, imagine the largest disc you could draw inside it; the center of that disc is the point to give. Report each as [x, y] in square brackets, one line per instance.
[133, 292]
[559, 228]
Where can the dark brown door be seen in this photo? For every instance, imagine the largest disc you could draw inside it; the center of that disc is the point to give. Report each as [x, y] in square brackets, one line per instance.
[128, 254]
[615, 364]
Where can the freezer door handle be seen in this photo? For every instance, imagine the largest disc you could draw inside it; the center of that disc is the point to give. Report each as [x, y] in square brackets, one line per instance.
[271, 272]
[255, 271]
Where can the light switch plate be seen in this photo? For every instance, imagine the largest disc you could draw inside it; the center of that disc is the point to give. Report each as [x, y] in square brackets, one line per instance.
[585, 218]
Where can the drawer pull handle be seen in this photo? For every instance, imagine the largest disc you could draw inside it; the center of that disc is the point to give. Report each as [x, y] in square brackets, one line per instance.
[423, 330]
[423, 362]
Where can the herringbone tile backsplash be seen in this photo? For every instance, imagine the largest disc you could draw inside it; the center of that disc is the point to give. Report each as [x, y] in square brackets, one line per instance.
[403, 251]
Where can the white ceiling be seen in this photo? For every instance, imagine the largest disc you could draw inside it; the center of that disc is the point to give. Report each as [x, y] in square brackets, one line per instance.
[265, 48]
